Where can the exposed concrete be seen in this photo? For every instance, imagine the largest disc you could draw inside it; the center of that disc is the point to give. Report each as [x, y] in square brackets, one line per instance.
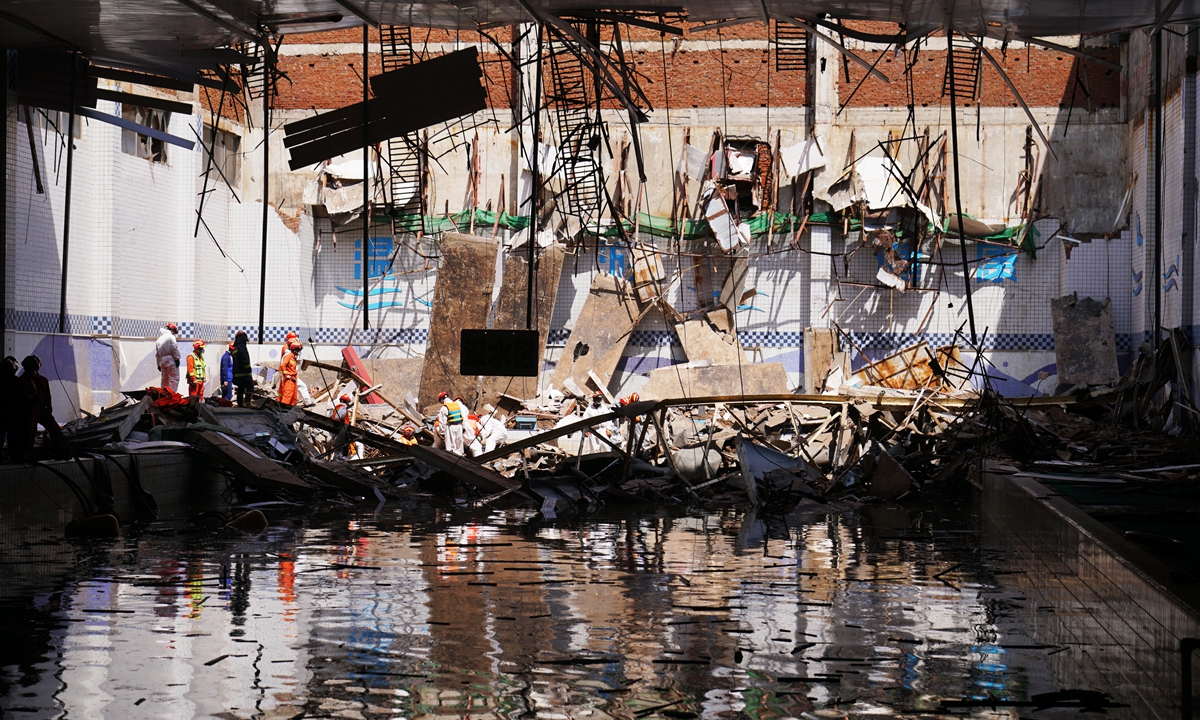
[1084, 342]
[744, 379]
[603, 328]
[701, 342]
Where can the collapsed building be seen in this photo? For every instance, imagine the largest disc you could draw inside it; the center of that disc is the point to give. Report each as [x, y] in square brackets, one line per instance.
[797, 263]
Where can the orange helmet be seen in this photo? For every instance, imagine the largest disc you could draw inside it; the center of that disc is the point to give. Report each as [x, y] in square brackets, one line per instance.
[407, 431]
[198, 344]
[173, 327]
[633, 397]
[291, 335]
[231, 346]
[295, 345]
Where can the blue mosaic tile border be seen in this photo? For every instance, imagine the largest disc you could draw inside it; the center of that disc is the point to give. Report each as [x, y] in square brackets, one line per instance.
[43, 322]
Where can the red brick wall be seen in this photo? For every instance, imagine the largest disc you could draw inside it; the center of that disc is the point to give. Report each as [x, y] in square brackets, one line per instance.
[1045, 78]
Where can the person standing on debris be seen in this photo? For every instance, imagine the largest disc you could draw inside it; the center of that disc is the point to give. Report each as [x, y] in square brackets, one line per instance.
[593, 444]
[289, 394]
[408, 436]
[197, 371]
[341, 412]
[166, 352]
[450, 419]
[243, 376]
[492, 433]
[227, 373]
[36, 391]
[291, 337]
[11, 403]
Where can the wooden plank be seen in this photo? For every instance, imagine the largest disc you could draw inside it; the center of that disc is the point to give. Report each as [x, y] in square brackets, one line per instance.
[478, 477]
[462, 298]
[248, 464]
[131, 420]
[603, 327]
[510, 314]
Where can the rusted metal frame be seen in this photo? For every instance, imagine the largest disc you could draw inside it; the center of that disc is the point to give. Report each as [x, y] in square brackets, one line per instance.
[898, 39]
[617, 17]
[541, 437]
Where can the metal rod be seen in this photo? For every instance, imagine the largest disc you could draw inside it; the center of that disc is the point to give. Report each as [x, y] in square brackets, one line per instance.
[262, 268]
[4, 203]
[1158, 160]
[537, 179]
[962, 236]
[366, 213]
[66, 245]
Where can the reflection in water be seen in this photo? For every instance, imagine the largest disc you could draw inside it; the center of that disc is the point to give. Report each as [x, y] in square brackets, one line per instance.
[394, 615]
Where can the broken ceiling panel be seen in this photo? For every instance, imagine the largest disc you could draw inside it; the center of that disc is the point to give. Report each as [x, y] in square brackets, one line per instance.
[601, 331]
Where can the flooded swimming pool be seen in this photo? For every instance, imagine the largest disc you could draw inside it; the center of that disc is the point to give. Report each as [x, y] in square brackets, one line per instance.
[455, 614]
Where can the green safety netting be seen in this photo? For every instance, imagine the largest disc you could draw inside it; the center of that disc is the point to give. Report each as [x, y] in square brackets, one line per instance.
[761, 224]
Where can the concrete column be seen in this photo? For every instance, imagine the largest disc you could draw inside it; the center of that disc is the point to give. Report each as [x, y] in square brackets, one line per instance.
[821, 266]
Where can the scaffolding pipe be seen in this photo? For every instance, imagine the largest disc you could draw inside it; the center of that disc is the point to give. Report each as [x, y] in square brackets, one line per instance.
[66, 245]
[262, 267]
[962, 235]
[366, 211]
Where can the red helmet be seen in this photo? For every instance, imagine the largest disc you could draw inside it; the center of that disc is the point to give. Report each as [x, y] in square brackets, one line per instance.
[295, 345]
[623, 401]
[407, 431]
[291, 335]
[344, 399]
[231, 346]
[197, 344]
[443, 395]
[633, 397]
[173, 327]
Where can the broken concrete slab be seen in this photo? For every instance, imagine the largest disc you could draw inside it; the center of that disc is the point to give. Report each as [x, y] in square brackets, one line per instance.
[462, 298]
[247, 463]
[820, 344]
[511, 306]
[1084, 342]
[600, 334]
[748, 379]
[701, 342]
[481, 478]
[735, 284]
[695, 462]
[647, 273]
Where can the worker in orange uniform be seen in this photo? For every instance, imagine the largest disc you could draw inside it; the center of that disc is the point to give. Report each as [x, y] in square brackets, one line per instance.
[289, 371]
[408, 436]
[291, 337]
[341, 412]
[197, 371]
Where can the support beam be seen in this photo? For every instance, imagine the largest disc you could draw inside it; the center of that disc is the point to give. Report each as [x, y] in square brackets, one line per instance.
[962, 236]
[1073, 51]
[262, 266]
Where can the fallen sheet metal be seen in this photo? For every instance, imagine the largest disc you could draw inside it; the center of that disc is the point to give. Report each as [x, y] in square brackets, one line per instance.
[701, 342]
[247, 463]
[462, 298]
[600, 334]
[1084, 342]
[511, 309]
[916, 367]
[479, 477]
[748, 378]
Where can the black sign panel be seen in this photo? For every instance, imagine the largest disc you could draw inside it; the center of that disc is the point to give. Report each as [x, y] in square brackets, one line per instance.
[508, 353]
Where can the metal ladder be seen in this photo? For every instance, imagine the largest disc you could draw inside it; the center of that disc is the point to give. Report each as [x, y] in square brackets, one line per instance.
[967, 61]
[579, 132]
[252, 75]
[791, 48]
[404, 151]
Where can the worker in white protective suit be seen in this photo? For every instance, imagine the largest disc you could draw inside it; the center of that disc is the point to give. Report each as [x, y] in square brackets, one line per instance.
[492, 433]
[166, 353]
[592, 444]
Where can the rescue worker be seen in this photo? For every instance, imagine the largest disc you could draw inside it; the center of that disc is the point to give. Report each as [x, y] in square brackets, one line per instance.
[288, 372]
[408, 435]
[471, 429]
[197, 371]
[243, 377]
[450, 419]
[492, 432]
[341, 411]
[227, 373]
[292, 336]
[592, 444]
[11, 403]
[166, 353]
[36, 390]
